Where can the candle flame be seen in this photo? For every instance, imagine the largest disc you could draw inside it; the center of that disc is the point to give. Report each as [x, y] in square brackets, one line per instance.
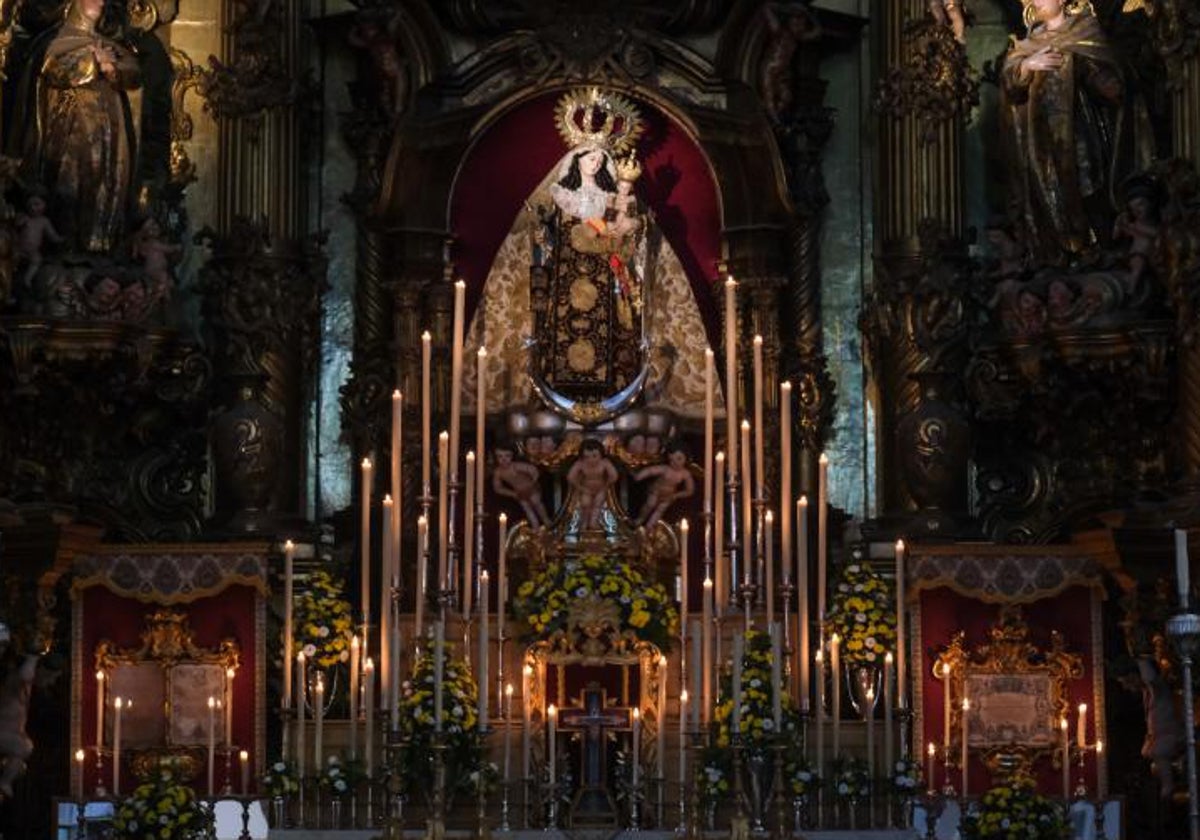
[887, 658]
[708, 353]
[683, 525]
[552, 711]
[396, 395]
[1082, 709]
[244, 756]
[899, 546]
[720, 456]
[770, 516]
[708, 582]
[369, 665]
[528, 670]
[745, 425]
[117, 702]
[662, 661]
[637, 714]
[354, 641]
[79, 755]
[966, 707]
[932, 749]
[1099, 746]
[482, 353]
[758, 340]
[471, 456]
[483, 576]
[804, 501]
[366, 463]
[823, 460]
[212, 702]
[683, 696]
[508, 690]
[426, 337]
[443, 436]
[231, 672]
[504, 519]
[100, 676]
[387, 499]
[288, 545]
[1063, 724]
[785, 386]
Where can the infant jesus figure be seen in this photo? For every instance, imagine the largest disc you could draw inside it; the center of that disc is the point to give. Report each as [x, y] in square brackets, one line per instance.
[672, 480]
[519, 480]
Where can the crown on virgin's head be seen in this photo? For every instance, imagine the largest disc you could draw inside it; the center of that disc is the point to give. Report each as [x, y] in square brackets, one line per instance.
[628, 168]
[591, 116]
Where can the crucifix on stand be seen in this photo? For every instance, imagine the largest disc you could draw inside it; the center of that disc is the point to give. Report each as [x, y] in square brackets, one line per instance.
[593, 719]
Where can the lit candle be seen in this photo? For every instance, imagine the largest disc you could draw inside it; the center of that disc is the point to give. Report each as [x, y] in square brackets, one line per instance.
[456, 360]
[319, 716]
[526, 679]
[769, 539]
[635, 753]
[118, 704]
[552, 717]
[385, 615]
[79, 757]
[759, 429]
[289, 583]
[502, 583]
[785, 480]
[389, 650]
[931, 762]
[212, 741]
[709, 412]
[946, 706]
[697, 667]
[835, 672]
[365, 542]
[739, 642]
[888, 752]
[468, 541]
[356, 701]
[484, 640]
[901, 640]
[966, 709]
[100, 700]
[1182, 572]
[776, 678]
[683, 577]
[301, 699]
[230, 673]
[426, 413]
[683, 713]
[1066, 760]
[422, 573]
[822, 523]
[480, 425]
[871, 733]
[508, 728]
[802, 599]
[747, 508]
[1101, 782]
[244, 761]
[439, 645]
[722, 582]
[1081, 727]
[660, 733]
[706, 651]
[731, 374]
[443, 508]
[369, 717]
[820, 717]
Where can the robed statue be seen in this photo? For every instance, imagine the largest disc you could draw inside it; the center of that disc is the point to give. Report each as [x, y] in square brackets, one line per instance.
[79, 145]
[1076, 129]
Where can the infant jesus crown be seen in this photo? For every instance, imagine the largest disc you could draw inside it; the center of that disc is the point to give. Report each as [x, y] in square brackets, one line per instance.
[628, 168]
[595, 117]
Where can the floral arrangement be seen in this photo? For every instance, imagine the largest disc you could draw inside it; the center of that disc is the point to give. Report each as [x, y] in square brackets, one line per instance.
[162, 809]
[801, 777]
[460, 726]
[340, 779]
[1014, 810]
[645, 608]
[757, 713]
[851, 779]
[281, 779]
[862, 613]
[715, 780]
[905, 777]
[323, 624]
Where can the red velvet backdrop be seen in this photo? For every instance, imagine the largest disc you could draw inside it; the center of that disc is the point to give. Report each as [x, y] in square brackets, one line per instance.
[230, 614]
[945, 612]
[517, 151]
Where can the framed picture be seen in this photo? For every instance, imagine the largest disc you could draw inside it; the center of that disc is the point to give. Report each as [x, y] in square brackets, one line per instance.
[191, 686]
[1012, 708]
[140, 687]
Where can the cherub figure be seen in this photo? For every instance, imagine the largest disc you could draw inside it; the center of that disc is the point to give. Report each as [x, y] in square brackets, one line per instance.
[15, 744]
[135, 303]
[784, 37]
[155, 255]
[519, 480]
[378, 38]
[673, 480]
[1138, 223]
[34, 232]
[591, 476]
[104, 300]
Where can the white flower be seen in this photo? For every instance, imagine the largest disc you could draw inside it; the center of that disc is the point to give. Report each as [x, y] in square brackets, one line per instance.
[768, 723]
[581, 592]
[322, 631]
[310, 650]
[843, 787]
[853, 569]
[280, 766]
[861, 618]
[755, 683]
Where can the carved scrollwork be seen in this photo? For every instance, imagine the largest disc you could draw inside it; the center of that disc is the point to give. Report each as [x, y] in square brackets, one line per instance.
[258, 78]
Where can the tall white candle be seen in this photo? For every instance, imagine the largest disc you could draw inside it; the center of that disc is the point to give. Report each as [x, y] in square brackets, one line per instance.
[508, 729]
[443, 508]
[357, 701]
[456, 360]
[212, 742]
[683, 576]
[319, 721]
[697, 667]
[526, 711]
[820, 716]
[468, 541]
[289, 584]
[391, 564]
[635, 753]
[802, 618]
[931, 766]
[731, 375]
[484, 641]
[118, 703]
[835, 670]
[822, 536]
[80, 755]
[365, 542]
[722, 582]
[480, 427]
[551, 737]
[1182, 572]
[230, 673]
[888, 711]
[1081, 727]
[747, 509]
[683, 715]
[385, 609]
[301, 700]
[946, 706]
[660, 716]
[776, 677]
[708, 428]
[739, 642]
[769, 582]
[439, 646]
[965, 758]
[785, 479]
[1066, 759]
[244, 762]
[704, 699]
[871, 734]
[759, 429]
[422, 578]
[100, 700]
[901, 624]
[426, 413]
[502, 582]
[368, 717]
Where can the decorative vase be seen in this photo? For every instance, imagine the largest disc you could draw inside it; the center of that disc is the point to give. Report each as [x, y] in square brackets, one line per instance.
[860, 678]
[246, 443]
[934, 440]
[278, 812]
[759, 771]
[710, 814]
[332, 691]
[335, 812]
[800, 812]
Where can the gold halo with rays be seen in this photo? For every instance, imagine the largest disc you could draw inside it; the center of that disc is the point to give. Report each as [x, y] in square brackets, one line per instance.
[591, 116]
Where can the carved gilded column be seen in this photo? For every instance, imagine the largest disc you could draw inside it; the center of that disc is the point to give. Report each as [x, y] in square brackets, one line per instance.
[913, 321]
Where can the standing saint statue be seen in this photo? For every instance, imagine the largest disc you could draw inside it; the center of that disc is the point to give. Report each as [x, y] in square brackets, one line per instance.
[1075, 128]
[80, 145]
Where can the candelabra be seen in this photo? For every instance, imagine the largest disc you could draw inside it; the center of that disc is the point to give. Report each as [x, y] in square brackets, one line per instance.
[1081, 752]
[739, 824]
[483, 831]
[691, 827]
[1184, 632]
[101, 791]
[782, 830]
[504, 826]
[437, 820]
[934, 806]
[747, 592]
[227, 788]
